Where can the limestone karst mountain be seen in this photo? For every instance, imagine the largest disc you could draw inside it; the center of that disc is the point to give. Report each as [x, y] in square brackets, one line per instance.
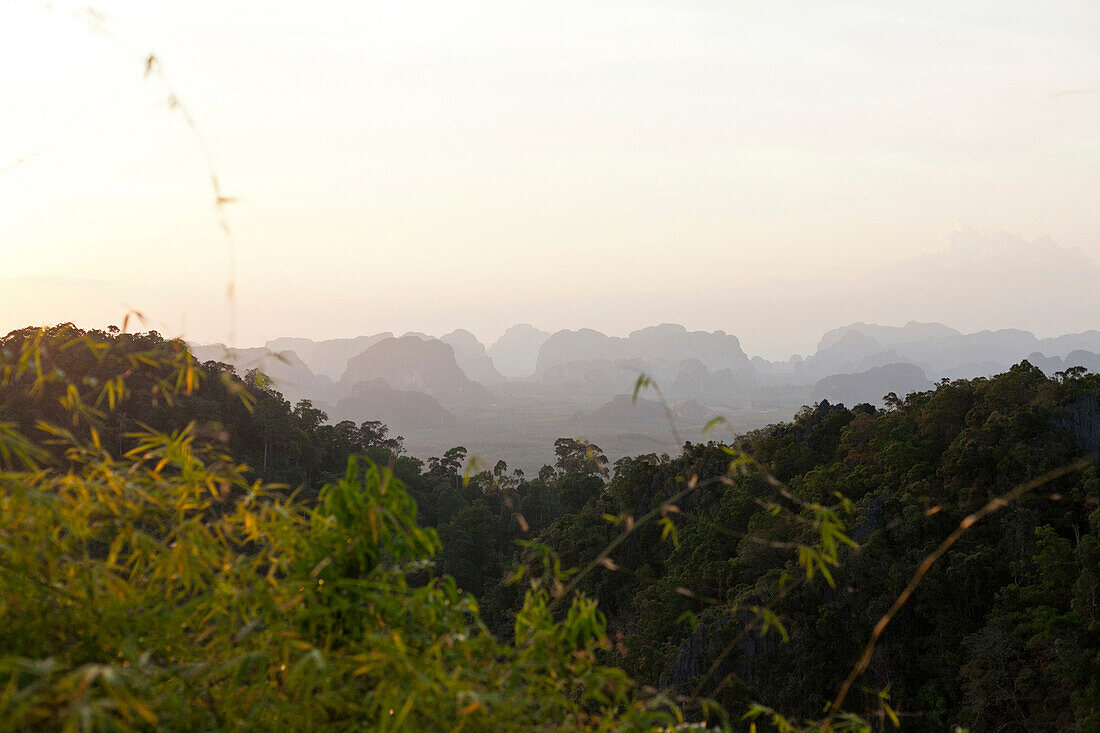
[660, 348]
[400, 410]
[471, 357]
[622, 410]
[872, 385]
[516, 353]
[1064, 346]
[531, 387]
[889, 335]
[693, 378]
[853, 351]
[327, 358]
[937, 349]
[594, 377]
[412, 364]
[287, 371]
[687, 364]
[1051, 365]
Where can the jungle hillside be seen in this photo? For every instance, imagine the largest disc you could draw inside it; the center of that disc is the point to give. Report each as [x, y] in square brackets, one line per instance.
[182, 548]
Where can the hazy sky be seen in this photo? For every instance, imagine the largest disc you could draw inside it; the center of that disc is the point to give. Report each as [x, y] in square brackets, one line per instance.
[770, 169]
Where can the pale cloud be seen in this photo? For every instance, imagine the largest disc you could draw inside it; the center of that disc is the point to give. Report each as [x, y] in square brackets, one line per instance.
[998, 259]
[1074, 92]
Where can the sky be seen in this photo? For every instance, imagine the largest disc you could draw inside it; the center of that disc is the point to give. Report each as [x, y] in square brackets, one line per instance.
[773, 170]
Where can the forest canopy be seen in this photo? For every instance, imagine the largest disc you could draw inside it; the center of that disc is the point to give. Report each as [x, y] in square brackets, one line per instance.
[182, 548]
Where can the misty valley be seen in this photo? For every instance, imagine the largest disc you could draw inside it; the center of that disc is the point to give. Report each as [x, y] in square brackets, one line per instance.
[511, 400]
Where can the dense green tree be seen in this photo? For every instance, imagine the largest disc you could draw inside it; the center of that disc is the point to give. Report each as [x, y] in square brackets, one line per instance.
[723, 570]
[1002, 631]
[470, 553]
[164, 588]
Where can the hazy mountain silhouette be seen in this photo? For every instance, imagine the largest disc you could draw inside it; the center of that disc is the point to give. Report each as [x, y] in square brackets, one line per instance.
[693, 364]
[572, 382]
[889, 335]
[659, 348]
[1054, 364]
[999, 259]
[624, 411]
[937, 349]
[594, 377]
[400, 410]
[872, 385]
[327, 358]
[287, 371]
[852, 351]
[516, 353]
[695, 379]
[409, 363]
[1065, 346]
[471, 357]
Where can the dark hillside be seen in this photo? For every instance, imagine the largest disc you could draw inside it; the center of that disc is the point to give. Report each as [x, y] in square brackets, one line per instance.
[1003, 632]
[727, 573]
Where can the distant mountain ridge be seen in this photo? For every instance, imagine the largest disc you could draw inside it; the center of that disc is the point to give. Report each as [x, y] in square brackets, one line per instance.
[400, 410]
[471, 357]
[695, 360]
[889, 335]
[532, 386]
[327, 358]
[289, 372]
[664, 345]
[412, 364]
[872, 385]
[515, 354]
[939, 350]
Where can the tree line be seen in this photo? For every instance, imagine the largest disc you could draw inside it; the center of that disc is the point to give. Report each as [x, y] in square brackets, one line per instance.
[742, 576]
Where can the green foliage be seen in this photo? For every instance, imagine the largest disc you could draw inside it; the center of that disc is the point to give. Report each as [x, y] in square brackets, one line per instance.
[116, 384]
[793, 544]
[150, 578]
[165, 587]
